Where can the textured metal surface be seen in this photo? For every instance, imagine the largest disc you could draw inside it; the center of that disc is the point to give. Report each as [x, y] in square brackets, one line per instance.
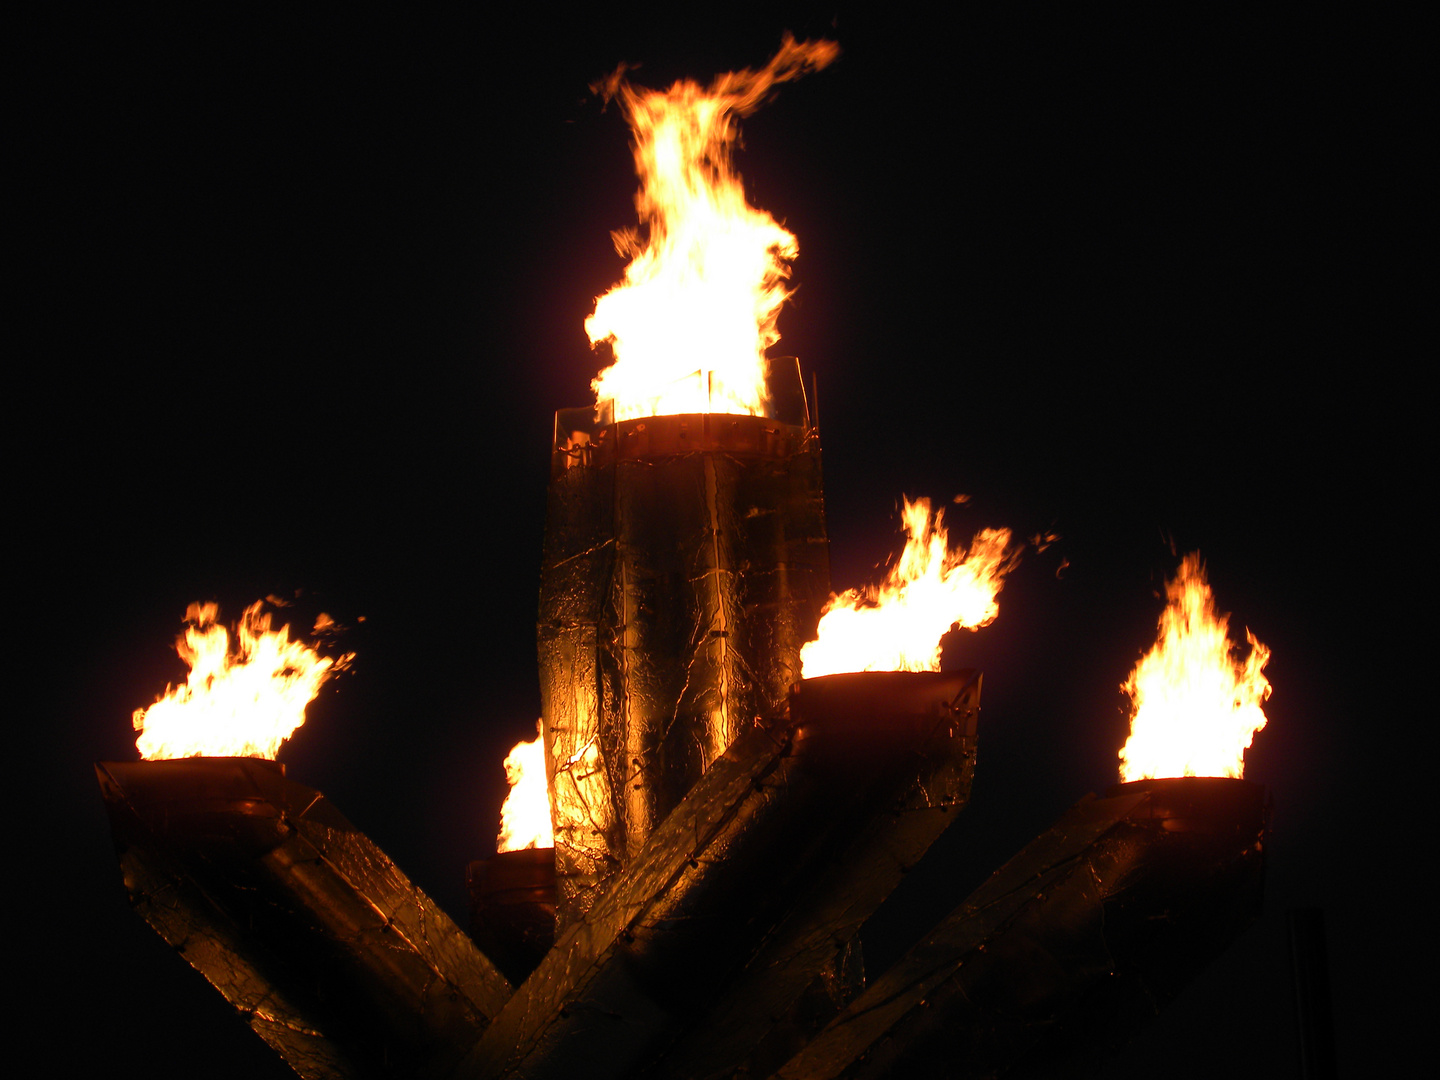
[685, 563]
[795, 983]
[762, 872]
[1069, 947]
[328, 952]
[512, 908]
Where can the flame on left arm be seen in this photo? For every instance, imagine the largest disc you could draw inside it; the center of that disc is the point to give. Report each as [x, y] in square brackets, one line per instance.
[240, 702]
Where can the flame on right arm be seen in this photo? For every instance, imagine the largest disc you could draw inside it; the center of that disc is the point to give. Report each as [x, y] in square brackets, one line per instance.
[1195, 707]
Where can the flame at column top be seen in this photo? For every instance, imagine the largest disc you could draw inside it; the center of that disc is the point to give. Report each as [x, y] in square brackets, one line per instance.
[690, 322]
[1194, 706]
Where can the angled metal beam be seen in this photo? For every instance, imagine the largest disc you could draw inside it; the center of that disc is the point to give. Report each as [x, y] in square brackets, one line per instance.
[1069, 947]
[763, 871]
[327, 950]
[809, 965]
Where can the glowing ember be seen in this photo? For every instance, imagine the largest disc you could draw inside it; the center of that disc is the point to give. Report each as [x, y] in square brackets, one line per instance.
[1194, 706]
[691, 321]
[243, 703]
[525, 817]
[898, 626]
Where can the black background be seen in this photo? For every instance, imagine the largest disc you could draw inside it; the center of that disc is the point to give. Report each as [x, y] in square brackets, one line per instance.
[299, 295]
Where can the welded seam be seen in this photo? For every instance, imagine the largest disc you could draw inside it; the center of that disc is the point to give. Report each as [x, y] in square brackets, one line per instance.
[582, 554]
[718, 597]
[415, 897]
[934, 975]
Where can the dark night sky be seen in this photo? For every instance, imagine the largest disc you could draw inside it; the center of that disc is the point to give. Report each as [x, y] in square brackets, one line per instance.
[301, 295]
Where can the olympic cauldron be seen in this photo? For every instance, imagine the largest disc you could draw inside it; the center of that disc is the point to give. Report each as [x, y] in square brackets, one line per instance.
[724, 829]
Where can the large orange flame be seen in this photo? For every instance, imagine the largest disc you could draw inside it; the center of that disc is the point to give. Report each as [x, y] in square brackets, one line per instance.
[243, 703]
[690, 323]
[525, 817]
[1195, 707]
[898, 626]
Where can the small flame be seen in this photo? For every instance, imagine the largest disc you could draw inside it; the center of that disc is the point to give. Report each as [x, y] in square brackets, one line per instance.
[691, 321]
[898, 626]
[525, 817]
[234, 704]
[1194, 706]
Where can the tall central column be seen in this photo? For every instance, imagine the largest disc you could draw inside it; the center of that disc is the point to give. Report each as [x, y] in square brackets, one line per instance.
[685, 564]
